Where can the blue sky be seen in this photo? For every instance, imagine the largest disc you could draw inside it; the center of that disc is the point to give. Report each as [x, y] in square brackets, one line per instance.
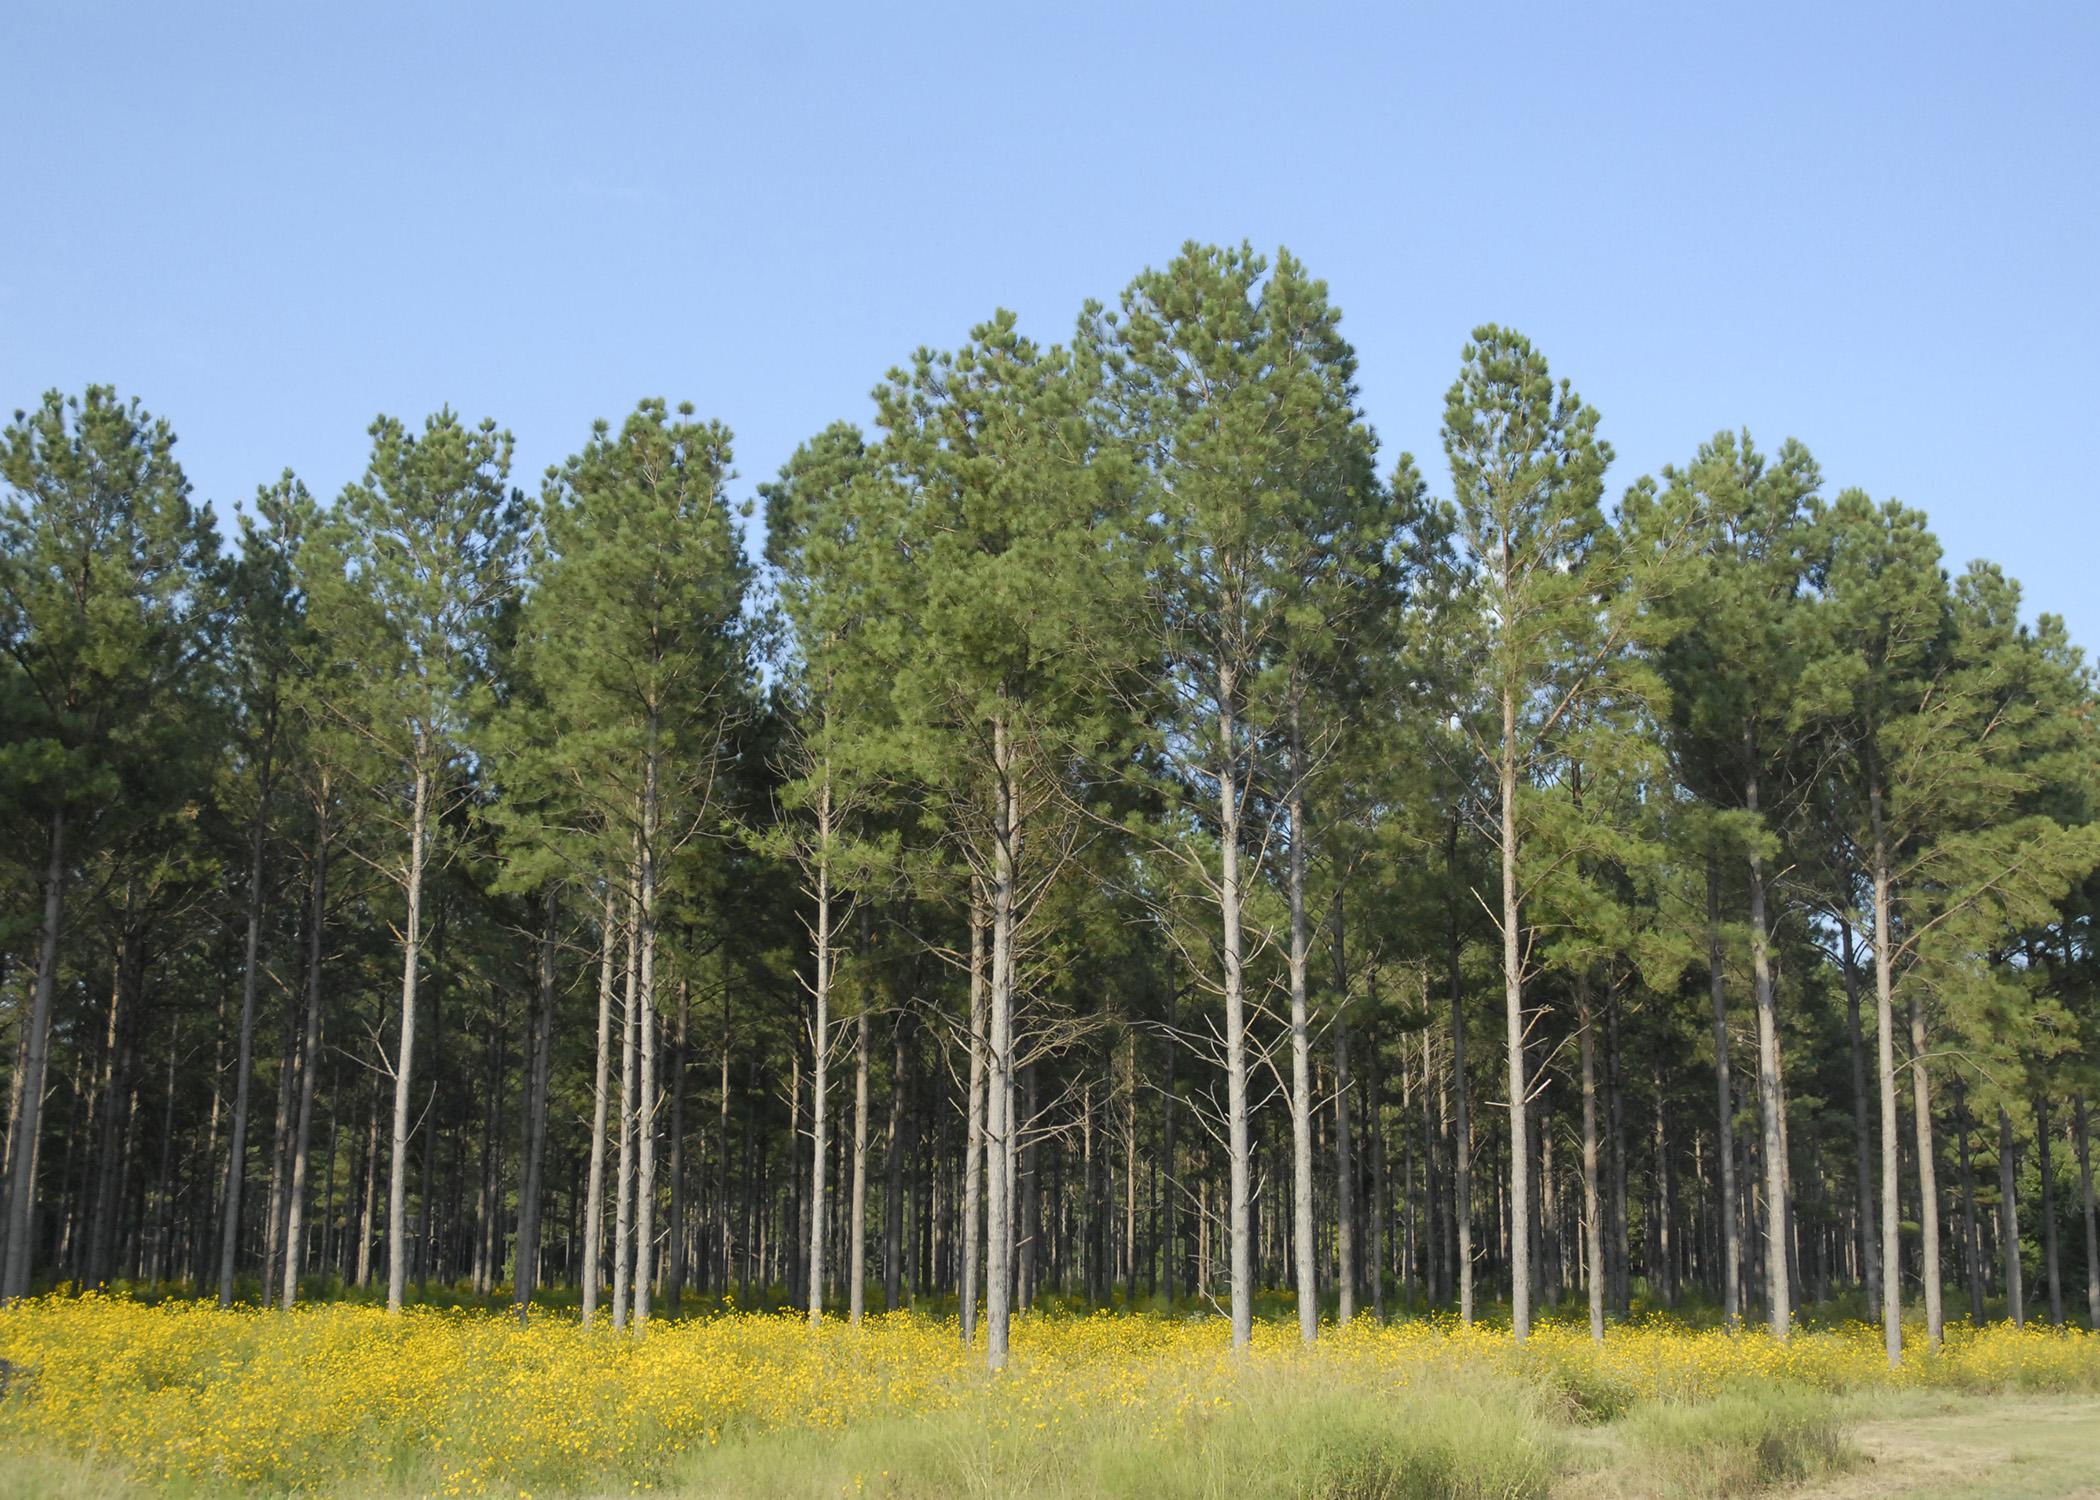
[1875, 228]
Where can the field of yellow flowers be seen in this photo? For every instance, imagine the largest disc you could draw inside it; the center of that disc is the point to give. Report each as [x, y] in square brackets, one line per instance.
[348, 1399]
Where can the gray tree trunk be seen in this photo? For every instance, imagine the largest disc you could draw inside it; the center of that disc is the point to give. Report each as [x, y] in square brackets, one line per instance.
[1885, 1044]
[1128, 1084]
[370, 1206]
[594, 1193]
[2009, 1219]
[973, 1149]
[893, 1177]
[1461, 1122]
[1724, 1108]
[310, 1051]
[630, 1082]
[857, 1204]
[1513, 1017]
[1238, 1133]
[1344, 1157]
[1971, 1227]
[2092, 1219]
[404, 1058]
[1928, 1174]
[645, 1101]
[999, 1227]
[532, 1167]
[675, 1241]
[1592, 1221]
[2052, 1269]
[1770, 1099]
[290, 1064]
[1304, 1269]
[1862, 1132]
[244, 1056]
[820, 1051]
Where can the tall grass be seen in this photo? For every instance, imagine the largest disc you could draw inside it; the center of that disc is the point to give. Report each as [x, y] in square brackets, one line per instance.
[1742, 1441]
[1270, 1436]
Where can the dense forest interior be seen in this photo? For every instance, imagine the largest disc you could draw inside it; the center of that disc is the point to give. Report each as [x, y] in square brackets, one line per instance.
[1122, 844]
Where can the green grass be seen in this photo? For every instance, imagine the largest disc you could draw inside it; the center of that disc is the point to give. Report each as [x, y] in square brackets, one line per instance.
[1963, 1447]
[1470, 1439]
[1473, 1439]
[1743, 1441]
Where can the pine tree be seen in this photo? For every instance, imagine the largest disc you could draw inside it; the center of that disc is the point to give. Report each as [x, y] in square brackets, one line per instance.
[635, 639]
[110, 586]
[1932, 696]
[1235, 391]
[818, 515]
[1734, 668]
[410, 578]
[1563, 600]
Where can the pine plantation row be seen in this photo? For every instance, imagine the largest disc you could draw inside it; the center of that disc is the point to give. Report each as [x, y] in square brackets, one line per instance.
[1119, 846]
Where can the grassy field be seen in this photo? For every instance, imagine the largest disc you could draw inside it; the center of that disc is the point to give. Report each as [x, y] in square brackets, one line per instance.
[110, 1397]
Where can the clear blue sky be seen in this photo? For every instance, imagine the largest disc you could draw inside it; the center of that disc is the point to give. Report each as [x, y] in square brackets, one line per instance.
[1876, 228]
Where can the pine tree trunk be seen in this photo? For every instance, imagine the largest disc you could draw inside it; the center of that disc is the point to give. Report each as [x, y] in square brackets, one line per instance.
[1128, 1089]
[820, 1052]
[1381, 1191]
[645, 1106]
[1885, 1030]
[1239, 1136]
[1029, 1237]
[1303, 1267]
[1171, 1263]
[2092, 1219]
[1435, 1281]
[1513, 1016]
[532, 1169]
[1928, 1174]
[309, 1050]
[112, 1160]
[411, 957]
[161, 1261]
[290, 1062]
[243, 1068]
[1778, 1290]
[674, 1265]
[857, 1206]
[1344, 1161]
[725, 1249]
[1862, 1133]
[1724, 1108]
[2052, 1269]
[1592, 1208]
[1618, 1258]
[999, 1236]
[370, 1207]
[2009, 1220]
[1665, 1206]
[594, 1192]
[1461, 1125]
[630, 1059]
[893, 1178]
[425, 1245]
[973, 1146]
[1971, 1227]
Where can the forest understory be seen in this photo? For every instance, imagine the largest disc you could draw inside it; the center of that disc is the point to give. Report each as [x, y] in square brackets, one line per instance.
[110, 1396]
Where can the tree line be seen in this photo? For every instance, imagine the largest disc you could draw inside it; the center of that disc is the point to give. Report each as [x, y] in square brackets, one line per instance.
[1118, 845]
